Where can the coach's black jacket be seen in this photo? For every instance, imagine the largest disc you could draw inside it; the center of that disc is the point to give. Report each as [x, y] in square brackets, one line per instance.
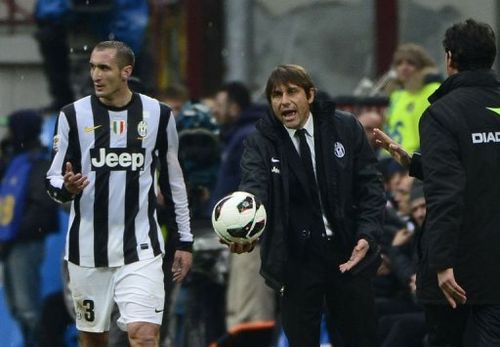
[460, 143]
[355, 193]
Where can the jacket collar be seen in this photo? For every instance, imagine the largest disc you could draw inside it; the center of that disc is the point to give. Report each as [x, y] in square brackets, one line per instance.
[475, 78]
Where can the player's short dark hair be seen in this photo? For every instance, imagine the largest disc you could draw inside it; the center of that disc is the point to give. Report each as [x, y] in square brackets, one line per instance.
[471, 44]
[124, 54]
[286, 74]
[237, 92]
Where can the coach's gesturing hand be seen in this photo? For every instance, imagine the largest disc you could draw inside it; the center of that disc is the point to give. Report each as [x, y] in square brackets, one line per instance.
[74, 183]
[358, 253]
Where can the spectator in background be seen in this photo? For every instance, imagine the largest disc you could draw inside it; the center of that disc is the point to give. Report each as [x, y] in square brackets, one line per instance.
[416, 78]
[27, 215]
[124, 20]
[418, 207]
[401, 196]
[175, 96]
[371, 120]
[236, 117]
[199, 302]
[248, 298]
[402, 321]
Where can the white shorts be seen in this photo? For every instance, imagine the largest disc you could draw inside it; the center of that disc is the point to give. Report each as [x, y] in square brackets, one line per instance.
[136, 288]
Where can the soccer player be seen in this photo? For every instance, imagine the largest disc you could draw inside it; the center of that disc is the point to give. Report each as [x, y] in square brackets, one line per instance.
[107, 148]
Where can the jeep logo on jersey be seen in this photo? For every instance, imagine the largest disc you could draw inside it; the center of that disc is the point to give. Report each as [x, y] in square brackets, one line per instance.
[117, 159]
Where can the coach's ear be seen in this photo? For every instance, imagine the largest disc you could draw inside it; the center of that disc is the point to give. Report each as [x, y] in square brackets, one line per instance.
[126, 72]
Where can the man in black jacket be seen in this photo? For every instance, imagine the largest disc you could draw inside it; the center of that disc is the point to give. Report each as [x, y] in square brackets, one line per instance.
[314, 170]
[460, 164]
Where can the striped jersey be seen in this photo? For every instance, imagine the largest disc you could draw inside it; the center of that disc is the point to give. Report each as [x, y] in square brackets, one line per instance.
[124, 152]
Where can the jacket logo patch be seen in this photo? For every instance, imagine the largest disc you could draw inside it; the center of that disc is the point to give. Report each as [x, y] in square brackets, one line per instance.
[339, 150]
[274, 160]
[486, 137]
[275, 170]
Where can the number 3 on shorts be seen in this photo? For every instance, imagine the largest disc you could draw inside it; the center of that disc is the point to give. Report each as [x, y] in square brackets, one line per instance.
[89, 315]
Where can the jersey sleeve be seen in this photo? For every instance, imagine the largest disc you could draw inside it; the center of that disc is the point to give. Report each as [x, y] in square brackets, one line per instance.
[54, 180]
[171, 182]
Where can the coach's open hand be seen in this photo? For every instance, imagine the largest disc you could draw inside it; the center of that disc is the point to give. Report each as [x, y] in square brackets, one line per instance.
[74, 183]
[182, 264]
[240, 247]
[357, 255]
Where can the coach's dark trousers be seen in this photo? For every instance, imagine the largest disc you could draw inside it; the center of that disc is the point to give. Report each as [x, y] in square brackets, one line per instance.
[465, 326]
[313, 280]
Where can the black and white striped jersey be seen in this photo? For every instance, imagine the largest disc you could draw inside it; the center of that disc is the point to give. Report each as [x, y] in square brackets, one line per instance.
[113, 221]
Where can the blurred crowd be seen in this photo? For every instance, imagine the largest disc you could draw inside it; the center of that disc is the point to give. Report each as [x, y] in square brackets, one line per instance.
[224, 301]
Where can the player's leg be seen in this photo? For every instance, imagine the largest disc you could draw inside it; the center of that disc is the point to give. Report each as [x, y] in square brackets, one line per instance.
[92, 292]
[93, 339]
[143, 334]
[140, 295]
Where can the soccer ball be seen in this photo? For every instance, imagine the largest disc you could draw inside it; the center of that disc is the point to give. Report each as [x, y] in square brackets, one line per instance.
[239, 217]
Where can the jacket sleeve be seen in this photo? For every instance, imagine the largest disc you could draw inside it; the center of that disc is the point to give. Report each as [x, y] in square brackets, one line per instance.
[368, 196]
[444, 184]
[254, 175]
[416, 166]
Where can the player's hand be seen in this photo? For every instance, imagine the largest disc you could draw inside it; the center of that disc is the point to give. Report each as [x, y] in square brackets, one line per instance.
[182, 265]
[240, 247]
[394, 149]
[74, 183]
[450, 288]
[358, 253]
